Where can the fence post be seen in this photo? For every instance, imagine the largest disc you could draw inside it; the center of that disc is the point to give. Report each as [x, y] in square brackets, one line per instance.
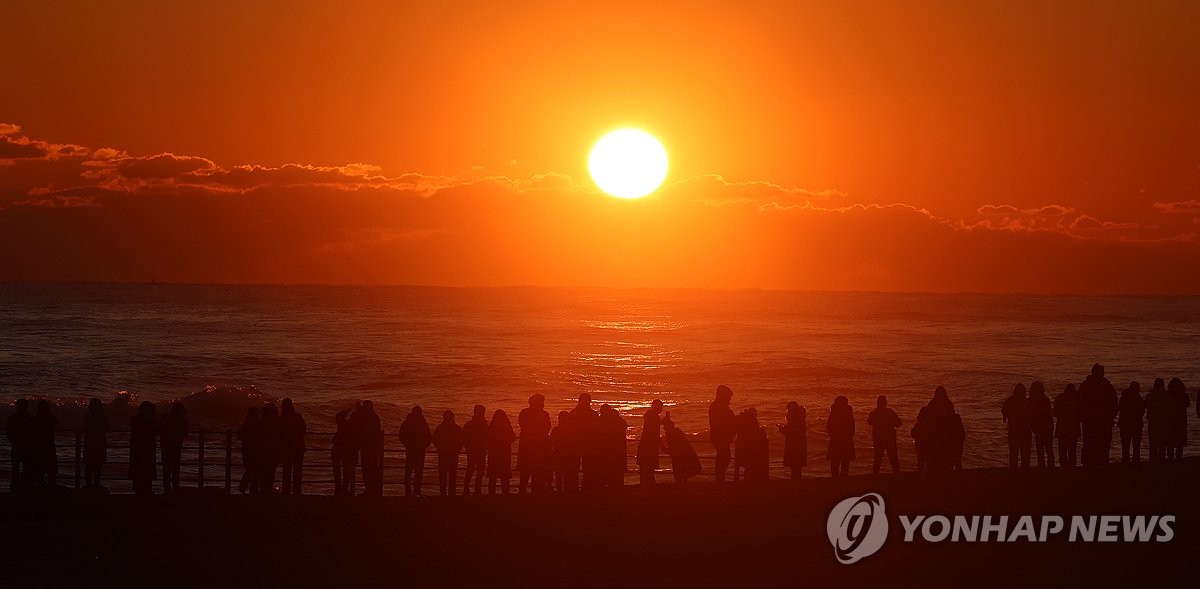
[200, 466]
[78, 456]
[228, 461]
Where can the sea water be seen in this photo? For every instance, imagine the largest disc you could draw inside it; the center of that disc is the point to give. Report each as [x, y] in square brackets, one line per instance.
[225, 348]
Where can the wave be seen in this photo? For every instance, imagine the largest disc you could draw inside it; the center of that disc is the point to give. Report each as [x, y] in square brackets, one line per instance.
[215, 406]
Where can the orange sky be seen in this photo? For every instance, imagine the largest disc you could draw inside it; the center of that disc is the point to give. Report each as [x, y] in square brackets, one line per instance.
[1039, 147]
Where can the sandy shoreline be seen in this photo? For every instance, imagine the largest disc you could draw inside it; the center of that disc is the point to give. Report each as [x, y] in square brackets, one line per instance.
[696, 535]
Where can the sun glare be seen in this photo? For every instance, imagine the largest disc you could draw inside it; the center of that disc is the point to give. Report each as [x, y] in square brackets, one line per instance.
[628, 163]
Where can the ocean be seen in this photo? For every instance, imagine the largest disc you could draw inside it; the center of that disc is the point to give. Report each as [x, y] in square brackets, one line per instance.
[222, 348]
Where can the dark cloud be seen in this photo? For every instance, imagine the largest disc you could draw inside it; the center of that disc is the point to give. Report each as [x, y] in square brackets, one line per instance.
[10, 149]
[162, 166]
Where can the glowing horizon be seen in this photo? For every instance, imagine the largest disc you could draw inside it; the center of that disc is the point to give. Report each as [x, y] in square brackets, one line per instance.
[922, 158]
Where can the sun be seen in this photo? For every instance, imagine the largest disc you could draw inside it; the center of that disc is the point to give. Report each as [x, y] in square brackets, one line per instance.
[628, 163]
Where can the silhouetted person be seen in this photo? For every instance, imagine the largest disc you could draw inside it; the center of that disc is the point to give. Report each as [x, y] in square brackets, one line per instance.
[45, 447]
[684, 461]
[292, 429]
[344, 455]
[1097, 410]
[610, 443]
[722, 427]
[533, 451]
[649, 444]
[499, 452]
[271, 448]
[95, 442]
[250, 435]
[365, 423]
[415, 437]
[594, 458]
[172, 430]
[19, 431]
[1020, 430]
[143, 430]
[1177, 428]
[1130, 410]
[582, 420]
[938, 434]
[840, 427]
[757, 463]
[475, 443]
[795, 439]
[745, 444]
[448, 442]
[883, 422]
[1158, 414]
[1041, 422]
[1066, 412]
[561, 450]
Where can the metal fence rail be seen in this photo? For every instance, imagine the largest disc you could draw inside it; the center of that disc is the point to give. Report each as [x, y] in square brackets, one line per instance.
[214, 456]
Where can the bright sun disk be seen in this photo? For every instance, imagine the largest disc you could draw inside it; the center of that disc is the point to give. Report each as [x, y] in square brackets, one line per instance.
[628, 163]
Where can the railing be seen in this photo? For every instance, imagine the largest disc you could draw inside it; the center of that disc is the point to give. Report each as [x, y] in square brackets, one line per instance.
[206, 449]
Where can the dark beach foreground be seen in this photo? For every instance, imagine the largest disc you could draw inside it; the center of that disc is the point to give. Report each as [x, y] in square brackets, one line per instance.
[699, 535]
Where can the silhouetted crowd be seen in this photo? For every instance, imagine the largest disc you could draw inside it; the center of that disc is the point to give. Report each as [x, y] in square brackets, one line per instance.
[548, 457]
[585, 449]
[1087, 413]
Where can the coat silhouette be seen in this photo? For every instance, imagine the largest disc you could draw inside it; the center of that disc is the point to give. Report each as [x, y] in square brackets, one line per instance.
[143, 429]
[840, 427]
[938, 434]
[752, 447]
[582, 419]
[1158, 418]
[1020, 428]
[475, 443]
[271, 448]
[499, 452]
[684, 461]
[172, 430]
[343, 455]
[415, 437]
[292, 429]
[722, 427]
[561, 448]
[795, 439]
[1067, 430]
[745, 444]
[611, 448]
[1097, 410]
[649, 444]
[1130, 410]
[365, 423]
[533, 452]
[1041, 422]
[95, 442]
[884, 422]
[448, 442]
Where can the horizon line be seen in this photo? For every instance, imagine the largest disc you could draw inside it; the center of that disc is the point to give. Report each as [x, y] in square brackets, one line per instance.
[601, 287]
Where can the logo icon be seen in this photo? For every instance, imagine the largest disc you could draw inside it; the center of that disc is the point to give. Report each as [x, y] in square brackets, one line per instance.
[857, 527]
